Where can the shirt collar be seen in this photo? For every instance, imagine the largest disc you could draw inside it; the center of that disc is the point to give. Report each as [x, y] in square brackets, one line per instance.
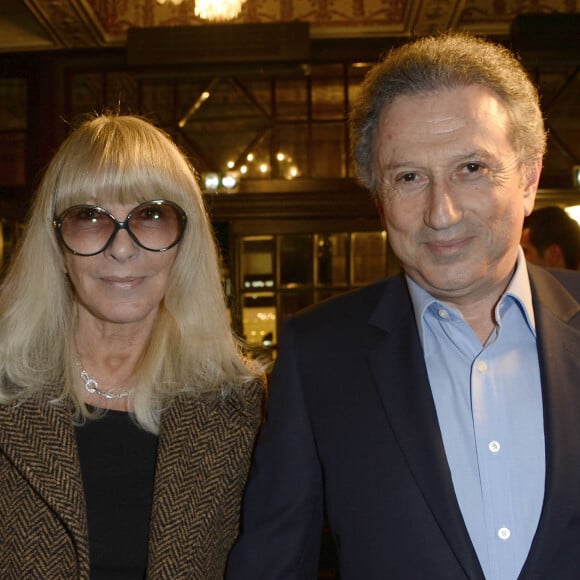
[518, 289]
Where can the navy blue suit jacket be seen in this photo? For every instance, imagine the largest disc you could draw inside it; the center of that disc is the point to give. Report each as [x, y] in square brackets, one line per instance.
[352, 428]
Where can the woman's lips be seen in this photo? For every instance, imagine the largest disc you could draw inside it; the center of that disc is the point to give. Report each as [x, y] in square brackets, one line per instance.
[125, 282]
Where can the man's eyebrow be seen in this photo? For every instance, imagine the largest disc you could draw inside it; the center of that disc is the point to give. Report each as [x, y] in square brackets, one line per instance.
[477, 154]
[402, 164]
[483, 155]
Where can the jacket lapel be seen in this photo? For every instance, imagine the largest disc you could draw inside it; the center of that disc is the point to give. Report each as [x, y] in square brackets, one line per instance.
[399, 369]
[181, 482]
[203, 456]
[38, 438]
[558, 324]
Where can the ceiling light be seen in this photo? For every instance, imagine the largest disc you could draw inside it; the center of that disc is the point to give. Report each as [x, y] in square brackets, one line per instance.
[218, 10]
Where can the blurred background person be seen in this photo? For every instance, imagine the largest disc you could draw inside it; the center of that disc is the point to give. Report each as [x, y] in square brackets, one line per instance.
[127, 409]
[551, 238]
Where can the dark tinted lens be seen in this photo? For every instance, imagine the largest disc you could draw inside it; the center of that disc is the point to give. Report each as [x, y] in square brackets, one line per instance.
[86, 229]
[157, 225]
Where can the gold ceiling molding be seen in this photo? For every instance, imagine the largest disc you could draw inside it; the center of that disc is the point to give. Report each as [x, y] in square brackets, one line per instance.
[69, 23]
[434, 16]
[96, 23]
[327, 18]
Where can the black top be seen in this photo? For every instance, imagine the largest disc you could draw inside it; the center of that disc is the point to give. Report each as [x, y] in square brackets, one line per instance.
[118, 468]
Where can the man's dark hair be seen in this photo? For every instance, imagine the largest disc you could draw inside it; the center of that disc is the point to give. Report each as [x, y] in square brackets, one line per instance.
[552, 225]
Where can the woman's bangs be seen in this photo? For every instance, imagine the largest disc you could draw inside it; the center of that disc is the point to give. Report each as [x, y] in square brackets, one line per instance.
[77, 183]
[123, 167]
[107, 184]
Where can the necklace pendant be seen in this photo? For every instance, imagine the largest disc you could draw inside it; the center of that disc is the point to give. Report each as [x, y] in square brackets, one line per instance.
[90, 384]
[92, 387]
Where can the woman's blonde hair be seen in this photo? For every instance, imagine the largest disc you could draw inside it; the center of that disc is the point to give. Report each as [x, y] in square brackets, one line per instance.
[122, 159]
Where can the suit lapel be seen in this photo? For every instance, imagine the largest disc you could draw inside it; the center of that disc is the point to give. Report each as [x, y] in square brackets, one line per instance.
[38, 438]
[558, 325]
[398, 366]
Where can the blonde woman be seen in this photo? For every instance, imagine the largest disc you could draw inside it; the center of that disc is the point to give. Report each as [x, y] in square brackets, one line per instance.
[127, 410]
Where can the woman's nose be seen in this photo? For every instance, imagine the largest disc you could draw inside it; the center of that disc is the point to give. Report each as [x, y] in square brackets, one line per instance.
[123, 247]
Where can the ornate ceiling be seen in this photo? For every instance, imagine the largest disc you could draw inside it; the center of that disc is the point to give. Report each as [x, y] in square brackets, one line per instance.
[55, 24]
[51, 26]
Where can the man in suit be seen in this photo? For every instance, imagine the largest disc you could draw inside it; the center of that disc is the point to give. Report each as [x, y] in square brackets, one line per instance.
[551, 238]
[434, 417]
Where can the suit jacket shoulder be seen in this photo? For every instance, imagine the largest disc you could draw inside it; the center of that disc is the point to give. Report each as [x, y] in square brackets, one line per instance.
[347, 317]
[556, 292]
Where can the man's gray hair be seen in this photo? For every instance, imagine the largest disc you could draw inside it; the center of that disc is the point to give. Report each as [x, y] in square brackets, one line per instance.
[443, 62]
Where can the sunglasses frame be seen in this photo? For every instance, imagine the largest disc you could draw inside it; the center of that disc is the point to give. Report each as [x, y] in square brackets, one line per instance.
[121, 225]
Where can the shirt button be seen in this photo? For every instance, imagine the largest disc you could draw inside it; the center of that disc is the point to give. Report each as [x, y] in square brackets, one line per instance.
[481, 366]
[443, 313]
[503, 533]
[494, 446]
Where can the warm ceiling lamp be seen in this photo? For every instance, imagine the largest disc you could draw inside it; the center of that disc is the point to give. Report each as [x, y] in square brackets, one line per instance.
[213, 9]
[218, 9]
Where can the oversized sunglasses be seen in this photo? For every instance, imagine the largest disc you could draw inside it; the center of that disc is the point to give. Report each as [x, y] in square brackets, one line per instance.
[87, 230]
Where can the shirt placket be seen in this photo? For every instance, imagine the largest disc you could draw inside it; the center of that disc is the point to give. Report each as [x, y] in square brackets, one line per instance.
[494, 449]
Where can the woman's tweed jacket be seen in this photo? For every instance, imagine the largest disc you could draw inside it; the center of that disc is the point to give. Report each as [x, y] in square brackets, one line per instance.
[203, 459]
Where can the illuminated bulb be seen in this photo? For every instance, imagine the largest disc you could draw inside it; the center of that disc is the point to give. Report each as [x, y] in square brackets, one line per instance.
[229, 181]
[574, 212]
[212, 181]
[218, 9]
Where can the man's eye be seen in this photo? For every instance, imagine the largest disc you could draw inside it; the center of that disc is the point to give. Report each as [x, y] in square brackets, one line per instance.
[472, 167]
[408, 177]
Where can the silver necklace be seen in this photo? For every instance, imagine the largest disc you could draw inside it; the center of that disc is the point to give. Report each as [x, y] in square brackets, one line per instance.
[92, 387]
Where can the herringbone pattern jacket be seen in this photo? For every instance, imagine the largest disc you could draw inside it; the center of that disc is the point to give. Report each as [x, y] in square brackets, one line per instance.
[203, 458]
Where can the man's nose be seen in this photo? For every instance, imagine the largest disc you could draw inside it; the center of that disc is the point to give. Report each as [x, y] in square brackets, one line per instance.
[443, 206]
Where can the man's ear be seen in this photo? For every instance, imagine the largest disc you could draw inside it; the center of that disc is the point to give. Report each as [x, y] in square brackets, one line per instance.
[554, 256]
[531, 178]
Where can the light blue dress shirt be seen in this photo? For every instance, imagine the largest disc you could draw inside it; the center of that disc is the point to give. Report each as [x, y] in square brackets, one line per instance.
[489, 405]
